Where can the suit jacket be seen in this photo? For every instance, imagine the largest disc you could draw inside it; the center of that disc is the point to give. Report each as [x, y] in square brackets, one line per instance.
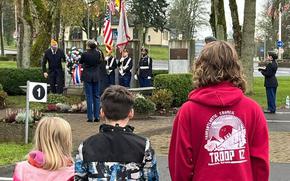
[269, 74]
[91, 61]
[54, 60]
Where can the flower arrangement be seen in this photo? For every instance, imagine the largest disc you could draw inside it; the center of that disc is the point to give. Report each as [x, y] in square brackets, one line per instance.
[19, 116]
[74, 68]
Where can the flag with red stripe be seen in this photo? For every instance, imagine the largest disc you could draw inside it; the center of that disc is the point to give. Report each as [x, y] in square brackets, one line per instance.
[123, 28]
[108, 34]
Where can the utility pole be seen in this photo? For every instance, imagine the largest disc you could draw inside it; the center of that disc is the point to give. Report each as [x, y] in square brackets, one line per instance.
[280, 32]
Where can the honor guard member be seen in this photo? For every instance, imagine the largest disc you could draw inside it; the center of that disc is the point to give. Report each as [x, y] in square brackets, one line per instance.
[54, 57]
[144, 70]
[111, 65]
[125, 67]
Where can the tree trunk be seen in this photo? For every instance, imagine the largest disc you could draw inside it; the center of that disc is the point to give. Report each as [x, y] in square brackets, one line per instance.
[212, 18]
[40, 45]
[248, 43]
[140, 30]
[46, 19]
[24, 41]
[218, 20]
[1, 30]
[56, 21]
[236, 26]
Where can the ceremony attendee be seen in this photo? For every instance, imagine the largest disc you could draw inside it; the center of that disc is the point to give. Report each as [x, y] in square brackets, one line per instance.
[144, 69]
[55, 74]
[219, 133]
[111, 65]
[51, 156]
[116, 153]
[271, 82]
[209, 39]
[125, 67]
[91, 60]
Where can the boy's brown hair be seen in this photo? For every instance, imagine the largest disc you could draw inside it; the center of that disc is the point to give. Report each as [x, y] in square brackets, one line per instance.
[218, 62]
[116, 102]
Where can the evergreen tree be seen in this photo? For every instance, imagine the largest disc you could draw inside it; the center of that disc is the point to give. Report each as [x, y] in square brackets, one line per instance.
[149, 13]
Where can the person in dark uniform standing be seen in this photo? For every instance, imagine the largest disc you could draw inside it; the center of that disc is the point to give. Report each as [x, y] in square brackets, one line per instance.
[125, 67]
[91, 60]
[102, 72]
[271, 82]
[54, 57]
[144, 70]
[111, 65]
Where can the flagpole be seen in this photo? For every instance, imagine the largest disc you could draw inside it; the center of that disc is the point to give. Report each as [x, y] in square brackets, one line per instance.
[280, 31]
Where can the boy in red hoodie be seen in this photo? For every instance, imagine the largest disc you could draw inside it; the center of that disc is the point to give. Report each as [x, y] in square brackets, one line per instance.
[219, 134]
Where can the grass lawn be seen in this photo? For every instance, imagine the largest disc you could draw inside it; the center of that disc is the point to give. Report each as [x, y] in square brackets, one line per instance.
[11, 153]
[260, 93]
[8, 64]
[158, 52]
[20, 102]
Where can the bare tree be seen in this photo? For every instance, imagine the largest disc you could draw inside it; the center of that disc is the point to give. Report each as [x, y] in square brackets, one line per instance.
[2, 3]
[237, 29]
[24, 29]
[186, 15]
[218, 20]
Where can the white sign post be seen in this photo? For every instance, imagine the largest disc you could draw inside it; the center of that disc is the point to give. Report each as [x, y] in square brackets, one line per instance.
[35, 92]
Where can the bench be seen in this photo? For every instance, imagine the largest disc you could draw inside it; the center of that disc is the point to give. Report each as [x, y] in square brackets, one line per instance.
[145, 90]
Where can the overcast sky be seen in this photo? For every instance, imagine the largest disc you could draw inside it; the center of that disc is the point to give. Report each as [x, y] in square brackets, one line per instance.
[206, 31]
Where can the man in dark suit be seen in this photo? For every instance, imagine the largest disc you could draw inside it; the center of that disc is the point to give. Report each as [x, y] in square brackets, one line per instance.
[271, 82]
[54, 57]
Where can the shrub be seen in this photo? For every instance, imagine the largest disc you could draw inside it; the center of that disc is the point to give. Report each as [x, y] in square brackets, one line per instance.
[4, 58]
[143, 105]
[21, 117]
[55, 98]
[63, 107]
[157, 72]
[11, 116]
[179, 84]
[162, 98]
[11, 79]
[3, 96]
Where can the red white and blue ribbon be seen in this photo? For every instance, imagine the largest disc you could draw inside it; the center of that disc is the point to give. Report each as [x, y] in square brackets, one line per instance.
[76, 75]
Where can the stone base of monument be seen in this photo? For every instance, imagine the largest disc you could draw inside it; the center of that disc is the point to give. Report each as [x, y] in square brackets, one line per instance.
[74, 90]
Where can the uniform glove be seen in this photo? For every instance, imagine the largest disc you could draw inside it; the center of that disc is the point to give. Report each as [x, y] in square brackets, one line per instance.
[135, 77]
[148, 77]
[107, 67]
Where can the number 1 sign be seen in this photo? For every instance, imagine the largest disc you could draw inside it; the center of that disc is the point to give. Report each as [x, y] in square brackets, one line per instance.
[37, 92]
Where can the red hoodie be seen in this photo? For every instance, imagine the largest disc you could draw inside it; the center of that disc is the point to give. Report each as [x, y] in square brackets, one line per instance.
[219, 135]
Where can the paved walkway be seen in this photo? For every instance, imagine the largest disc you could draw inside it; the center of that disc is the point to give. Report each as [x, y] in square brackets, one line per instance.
[158, 129]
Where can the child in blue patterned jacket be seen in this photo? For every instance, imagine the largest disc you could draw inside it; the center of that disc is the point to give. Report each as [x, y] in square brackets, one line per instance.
[116, 153]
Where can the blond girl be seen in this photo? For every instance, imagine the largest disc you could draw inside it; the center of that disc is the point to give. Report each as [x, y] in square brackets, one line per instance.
[51, 157]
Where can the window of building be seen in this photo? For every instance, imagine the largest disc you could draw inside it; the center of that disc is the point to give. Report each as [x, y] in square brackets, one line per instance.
[165, 35]
[76, 33]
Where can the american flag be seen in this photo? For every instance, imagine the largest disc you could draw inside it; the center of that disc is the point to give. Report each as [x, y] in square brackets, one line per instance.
[108, 35]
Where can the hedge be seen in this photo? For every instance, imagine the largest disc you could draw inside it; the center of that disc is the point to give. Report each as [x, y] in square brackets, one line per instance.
[179, 84]
[157, 72]
[11, 79]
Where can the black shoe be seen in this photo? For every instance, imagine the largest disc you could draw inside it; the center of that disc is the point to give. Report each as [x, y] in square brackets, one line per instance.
[89, 121]
[97, 120]
[269, 112]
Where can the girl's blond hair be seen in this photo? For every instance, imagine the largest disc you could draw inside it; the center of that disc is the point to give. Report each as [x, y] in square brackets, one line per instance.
[53, 136]
[218, 62]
